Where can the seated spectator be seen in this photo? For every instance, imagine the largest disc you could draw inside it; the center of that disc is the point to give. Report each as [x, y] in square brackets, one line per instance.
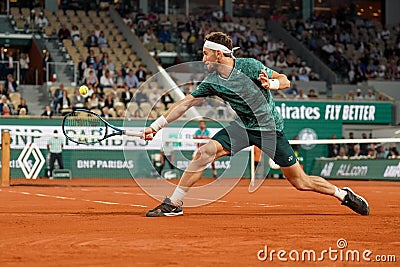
[126, 96]
[333, 149]
[3, 104]
[65, 103]
[106, 81]
[92, 79]
[359, 95]
[312, 94]
[92, 90]
[165, 35]
[6, 111]
[41, 21]
[290, 60]
[125, 70]
[303, 76]
[48, 113]
[370, 95]
[141, 97]
[131, 80]
[91, 40]
[149, 36]
[382, 152]
[82, 66]
[101, 72]
[127, 20]
[304, 66]
[91, 59]
[102, 40]
[166, 99]
[293, 90]
[141, 73]
[78, 101]
[97, 30]
[119, 80]
[350, 95]
[357, 152]
[328, 48]
[10, 86]
[106, 112]
[22, 112]
[393, 153]
[293, 77]
[313, 76]
[270, 61]
[3, 90]
[75, 33]
[140, 29]
[109, 101]
[93, 102]
[301, 95]
[342, 153]
[281, 63]
[21, 106]
[64, 33]
[371, 153]
[105, 59]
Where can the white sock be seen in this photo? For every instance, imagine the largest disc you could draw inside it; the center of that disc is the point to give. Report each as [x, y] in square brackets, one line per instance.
[178, 196]
[339, 193]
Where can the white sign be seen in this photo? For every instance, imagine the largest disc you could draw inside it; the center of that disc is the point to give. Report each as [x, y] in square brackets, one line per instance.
[31, 171]
[43, 134]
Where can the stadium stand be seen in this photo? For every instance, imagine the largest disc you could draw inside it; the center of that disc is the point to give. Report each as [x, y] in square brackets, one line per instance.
[357, 49]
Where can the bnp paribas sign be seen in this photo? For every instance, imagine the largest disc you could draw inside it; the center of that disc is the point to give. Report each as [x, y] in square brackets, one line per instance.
[362, 112]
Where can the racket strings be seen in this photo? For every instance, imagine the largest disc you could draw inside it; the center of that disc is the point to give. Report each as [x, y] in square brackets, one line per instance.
[84, 127]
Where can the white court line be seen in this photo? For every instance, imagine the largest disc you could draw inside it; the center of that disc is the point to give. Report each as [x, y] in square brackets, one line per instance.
[105, 202]
[71, 198]
[61, 197]
[140, 206]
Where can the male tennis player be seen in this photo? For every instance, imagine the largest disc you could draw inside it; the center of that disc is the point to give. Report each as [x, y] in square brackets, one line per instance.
[258, 123]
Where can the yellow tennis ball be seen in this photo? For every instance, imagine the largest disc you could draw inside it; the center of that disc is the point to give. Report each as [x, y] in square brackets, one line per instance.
[83, 90]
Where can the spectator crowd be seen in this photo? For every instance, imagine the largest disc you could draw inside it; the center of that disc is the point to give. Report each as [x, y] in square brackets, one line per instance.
[362, 150]
[358, 49]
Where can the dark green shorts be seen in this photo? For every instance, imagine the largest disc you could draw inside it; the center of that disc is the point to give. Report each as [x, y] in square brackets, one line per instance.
[275, 144]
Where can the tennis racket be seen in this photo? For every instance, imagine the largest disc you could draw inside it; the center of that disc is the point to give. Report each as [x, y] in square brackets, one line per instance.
[86, 127]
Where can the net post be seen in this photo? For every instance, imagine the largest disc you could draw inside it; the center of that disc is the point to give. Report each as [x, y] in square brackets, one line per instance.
[5, 159]
[252, 170]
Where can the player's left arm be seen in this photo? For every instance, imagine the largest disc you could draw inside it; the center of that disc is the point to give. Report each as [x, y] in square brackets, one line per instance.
[276, 81]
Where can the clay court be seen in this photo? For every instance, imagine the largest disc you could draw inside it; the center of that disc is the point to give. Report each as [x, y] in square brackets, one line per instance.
[99, 226]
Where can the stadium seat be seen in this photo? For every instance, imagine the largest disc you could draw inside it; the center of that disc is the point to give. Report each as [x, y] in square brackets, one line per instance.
[108, 91]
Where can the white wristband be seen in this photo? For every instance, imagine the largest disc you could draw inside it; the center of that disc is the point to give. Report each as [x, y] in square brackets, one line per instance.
[274, 84]
[159, 123]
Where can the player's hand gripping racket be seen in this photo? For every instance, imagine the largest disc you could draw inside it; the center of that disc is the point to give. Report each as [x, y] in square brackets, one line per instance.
[85, 127]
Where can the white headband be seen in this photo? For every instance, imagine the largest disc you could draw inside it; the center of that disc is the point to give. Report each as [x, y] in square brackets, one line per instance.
[215, 46]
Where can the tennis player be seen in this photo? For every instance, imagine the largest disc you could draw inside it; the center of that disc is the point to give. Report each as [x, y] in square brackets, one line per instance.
[258, 123]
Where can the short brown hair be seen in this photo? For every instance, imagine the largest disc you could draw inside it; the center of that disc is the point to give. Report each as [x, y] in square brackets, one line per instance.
[220, 38]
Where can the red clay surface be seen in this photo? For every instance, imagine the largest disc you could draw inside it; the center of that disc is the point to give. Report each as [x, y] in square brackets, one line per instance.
[105, 226]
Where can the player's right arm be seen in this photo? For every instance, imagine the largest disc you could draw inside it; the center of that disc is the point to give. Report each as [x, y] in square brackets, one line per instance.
[173, 113]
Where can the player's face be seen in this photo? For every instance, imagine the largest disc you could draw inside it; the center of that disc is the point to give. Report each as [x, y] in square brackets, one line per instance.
[209, 58]
[202, 125]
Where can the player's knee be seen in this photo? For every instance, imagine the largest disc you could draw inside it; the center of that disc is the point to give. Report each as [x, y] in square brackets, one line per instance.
[206, 154]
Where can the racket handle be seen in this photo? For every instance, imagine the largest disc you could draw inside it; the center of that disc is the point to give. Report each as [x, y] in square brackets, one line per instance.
[133, 133]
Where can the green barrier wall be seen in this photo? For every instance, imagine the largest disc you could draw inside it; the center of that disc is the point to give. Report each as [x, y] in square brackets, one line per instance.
[370, 169]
